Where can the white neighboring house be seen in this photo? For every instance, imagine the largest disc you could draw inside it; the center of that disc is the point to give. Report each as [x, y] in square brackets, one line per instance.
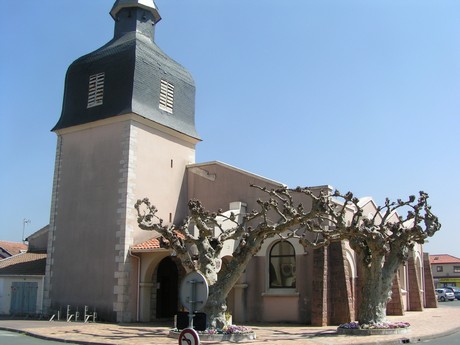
[446, 270]
[22, 277]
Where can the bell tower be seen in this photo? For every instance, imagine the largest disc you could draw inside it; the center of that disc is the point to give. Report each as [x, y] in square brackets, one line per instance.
[126, 131]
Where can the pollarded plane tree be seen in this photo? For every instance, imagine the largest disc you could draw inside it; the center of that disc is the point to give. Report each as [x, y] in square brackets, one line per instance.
[382, 241]
[279, 214]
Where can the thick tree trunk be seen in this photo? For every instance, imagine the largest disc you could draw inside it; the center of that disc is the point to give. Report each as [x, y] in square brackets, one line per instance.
[376, 292]
[216, 306]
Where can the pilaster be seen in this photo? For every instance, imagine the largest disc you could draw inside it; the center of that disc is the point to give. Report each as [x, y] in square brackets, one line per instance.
[340, 300]
[430, 294]
[395, 305]
[319, 289]
[415, 296]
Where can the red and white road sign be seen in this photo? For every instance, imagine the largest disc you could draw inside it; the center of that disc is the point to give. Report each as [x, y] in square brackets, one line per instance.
[189, 337]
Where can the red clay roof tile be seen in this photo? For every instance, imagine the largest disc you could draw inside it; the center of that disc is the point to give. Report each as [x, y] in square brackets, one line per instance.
[152, 243]
[12, 248]
[443, 259]
[24, 264]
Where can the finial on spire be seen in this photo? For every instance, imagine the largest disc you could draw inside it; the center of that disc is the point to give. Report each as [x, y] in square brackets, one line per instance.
[148, 5]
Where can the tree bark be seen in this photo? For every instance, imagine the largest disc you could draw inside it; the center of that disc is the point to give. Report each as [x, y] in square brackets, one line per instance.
[376, 291]
[375, 294]
[216, 306]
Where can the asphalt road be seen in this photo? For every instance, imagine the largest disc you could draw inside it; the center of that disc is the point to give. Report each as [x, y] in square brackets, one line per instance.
[449, 340]
[12, 338]
[455, 303]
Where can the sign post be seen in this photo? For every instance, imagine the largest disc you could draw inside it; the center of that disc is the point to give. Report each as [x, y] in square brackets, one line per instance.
[194, 291]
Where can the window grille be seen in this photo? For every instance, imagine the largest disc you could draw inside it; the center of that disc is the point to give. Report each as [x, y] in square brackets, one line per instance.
[166, 96]
[96, 90]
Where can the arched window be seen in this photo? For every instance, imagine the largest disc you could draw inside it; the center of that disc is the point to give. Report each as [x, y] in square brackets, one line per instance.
[282, 266]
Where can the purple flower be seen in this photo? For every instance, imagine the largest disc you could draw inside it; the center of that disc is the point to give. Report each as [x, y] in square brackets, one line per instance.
[382, 325]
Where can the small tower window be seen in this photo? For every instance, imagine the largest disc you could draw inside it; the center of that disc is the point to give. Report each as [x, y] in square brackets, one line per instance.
[96, 90]
[166, 96]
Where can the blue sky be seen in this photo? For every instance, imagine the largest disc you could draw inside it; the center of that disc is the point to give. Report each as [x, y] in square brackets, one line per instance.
[360, 95]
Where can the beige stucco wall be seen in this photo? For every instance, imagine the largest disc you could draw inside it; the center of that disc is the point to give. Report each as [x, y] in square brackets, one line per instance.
[86, 221]
[216, 185]
[101, 170]
[262, 304]
[159, 166]
[38, 241]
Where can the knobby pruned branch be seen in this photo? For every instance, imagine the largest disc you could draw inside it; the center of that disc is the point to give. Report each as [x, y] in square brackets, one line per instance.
[329, 217]
[316, 217]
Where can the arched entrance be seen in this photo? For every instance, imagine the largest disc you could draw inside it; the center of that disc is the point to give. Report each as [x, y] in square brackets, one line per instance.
[167, 288]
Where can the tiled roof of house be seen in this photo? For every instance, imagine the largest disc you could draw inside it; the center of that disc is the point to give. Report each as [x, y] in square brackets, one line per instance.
[148, 245]
[24, 264]
[12, 248]
[444, 259]
[151, 244]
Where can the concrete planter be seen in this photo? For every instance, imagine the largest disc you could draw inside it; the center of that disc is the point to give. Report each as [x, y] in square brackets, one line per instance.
[372, 331]
[234, 338]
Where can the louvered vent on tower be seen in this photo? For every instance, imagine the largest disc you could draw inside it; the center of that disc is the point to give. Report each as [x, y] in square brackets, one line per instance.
[96, 90]
[166, 96]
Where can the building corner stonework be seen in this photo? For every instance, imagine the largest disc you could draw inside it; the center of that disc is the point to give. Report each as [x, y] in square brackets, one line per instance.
[125, 231]
[48, 283]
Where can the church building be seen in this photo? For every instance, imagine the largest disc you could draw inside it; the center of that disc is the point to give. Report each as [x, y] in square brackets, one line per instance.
[127, 131]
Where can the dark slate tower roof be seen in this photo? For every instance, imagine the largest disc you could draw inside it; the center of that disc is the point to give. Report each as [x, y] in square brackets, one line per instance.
[130, 74]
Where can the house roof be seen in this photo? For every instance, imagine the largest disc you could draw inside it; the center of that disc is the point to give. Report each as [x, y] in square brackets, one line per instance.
[152, 244]
[146, 246]
[193, 168]
[24, 264]
[444, 259]
[38, 233]
[11, 248]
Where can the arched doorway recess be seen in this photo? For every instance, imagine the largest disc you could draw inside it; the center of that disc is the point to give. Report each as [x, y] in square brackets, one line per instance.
[167, 298]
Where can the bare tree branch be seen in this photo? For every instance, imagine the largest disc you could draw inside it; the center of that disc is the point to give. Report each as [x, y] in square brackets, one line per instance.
[381, 241]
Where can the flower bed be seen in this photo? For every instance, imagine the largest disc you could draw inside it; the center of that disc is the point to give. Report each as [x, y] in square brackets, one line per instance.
[354, 328]
[231, 333]
[232, 329]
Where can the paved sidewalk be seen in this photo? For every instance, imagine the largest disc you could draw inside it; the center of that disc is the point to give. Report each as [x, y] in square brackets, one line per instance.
[431, 323]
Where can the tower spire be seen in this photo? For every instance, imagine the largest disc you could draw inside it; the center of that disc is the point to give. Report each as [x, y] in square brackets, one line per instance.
[135, 15]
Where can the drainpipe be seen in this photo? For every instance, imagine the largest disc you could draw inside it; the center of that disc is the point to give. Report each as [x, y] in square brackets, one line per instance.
[138, 259]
